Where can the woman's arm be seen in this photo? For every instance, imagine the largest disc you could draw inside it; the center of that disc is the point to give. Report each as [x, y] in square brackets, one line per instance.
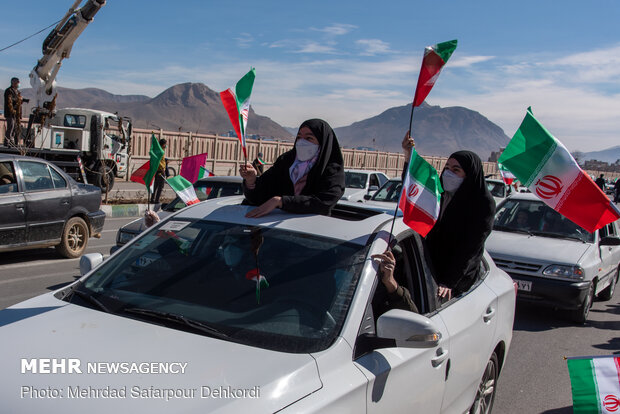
[325, 194]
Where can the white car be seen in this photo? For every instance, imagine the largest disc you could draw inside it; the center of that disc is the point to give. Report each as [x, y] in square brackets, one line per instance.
[210, 311]
[498, 189]
[553, 261]
[359, 183]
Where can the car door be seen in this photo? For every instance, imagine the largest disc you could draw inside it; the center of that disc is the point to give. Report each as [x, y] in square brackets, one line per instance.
[471, 322]
[48, 200]
[405, 380]
[610, 255]
[12, 207]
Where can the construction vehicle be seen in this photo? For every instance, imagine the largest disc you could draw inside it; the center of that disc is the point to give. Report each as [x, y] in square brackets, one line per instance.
[90, 145]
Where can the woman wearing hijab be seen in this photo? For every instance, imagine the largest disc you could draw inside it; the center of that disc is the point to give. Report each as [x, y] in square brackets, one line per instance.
[456, 241]
[307, 179]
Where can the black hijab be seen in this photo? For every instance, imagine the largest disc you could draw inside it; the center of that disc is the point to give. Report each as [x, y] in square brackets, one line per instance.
[329, 149]
[456, 242]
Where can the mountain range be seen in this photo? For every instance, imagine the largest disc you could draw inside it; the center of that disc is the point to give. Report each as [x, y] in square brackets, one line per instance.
[609, 155]
[197, 108]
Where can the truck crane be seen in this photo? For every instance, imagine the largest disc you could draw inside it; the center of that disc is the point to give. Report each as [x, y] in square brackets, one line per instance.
[100, 140]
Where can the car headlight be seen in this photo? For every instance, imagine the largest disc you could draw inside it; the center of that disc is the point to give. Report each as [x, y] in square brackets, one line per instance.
[124, 237]
[570, 272]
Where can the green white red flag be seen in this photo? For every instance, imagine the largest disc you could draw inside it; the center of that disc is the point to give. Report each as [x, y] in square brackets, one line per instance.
[421, 195]
[156, 153]
[595, 383]
[203, 173]
[546, 167]
[237, 104]
[184, 189]
[507, 176]
[261, 281]
[435, 57]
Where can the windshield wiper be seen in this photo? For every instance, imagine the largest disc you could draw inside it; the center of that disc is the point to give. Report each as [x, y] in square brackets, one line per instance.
[174, 317]
[90, 298]
[558, 236]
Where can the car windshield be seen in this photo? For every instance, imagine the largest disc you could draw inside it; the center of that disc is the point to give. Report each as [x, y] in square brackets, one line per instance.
[206, 272]
[534, 217]
[355, 179]
[389, 192]
[496, 189]
[207, 191]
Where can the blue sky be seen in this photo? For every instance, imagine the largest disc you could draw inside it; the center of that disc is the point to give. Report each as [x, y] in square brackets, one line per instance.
[345, 61]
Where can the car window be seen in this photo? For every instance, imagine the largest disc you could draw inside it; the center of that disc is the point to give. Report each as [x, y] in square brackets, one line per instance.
[59, 181]
[389, 192]
[382, 179]
[496, 189]
[355, 179]
[8, 182]
[374, 180]
[75, 121]
[36, 176]
[538, 219]
[207, 272]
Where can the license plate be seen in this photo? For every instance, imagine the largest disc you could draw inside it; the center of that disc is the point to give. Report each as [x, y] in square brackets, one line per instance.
[523, 285]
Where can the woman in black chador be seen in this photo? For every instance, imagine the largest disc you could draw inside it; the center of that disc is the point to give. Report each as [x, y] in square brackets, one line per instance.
[307, 179]
[456, 241]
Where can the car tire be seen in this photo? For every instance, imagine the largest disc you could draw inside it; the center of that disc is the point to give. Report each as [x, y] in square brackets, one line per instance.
[74, 238]
[609, 290]
[580, 315]
[100, 182]
[485, 396]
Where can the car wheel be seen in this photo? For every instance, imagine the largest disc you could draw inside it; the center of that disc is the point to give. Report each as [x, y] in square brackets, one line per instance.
[100, 180]
[485, 396]
[609, 290]
[580, 315]
[74, 238]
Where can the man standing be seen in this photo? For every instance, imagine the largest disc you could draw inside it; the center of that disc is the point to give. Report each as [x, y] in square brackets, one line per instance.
[600, 181]
[160, 176]
[12, 113]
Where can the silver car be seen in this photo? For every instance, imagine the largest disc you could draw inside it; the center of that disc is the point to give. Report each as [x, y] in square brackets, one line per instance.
[211, 311]
[359, 183]
[553, 261]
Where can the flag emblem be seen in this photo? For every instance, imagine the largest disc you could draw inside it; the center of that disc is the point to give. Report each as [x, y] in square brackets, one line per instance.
[548, 187]
[413, 191]
[611, 403]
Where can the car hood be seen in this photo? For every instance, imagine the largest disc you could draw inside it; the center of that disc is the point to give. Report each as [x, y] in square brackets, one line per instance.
[503, 244]
[45, 327]
[353, 192]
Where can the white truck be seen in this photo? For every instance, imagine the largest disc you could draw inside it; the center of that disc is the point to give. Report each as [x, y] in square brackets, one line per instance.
[100, 140]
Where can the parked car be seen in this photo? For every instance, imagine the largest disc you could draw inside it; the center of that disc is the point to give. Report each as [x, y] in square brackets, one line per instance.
[553, 261]
[315, 334]
[41, 206]
[359, 183]
[498, 189]
[387, 196]
[206, 188]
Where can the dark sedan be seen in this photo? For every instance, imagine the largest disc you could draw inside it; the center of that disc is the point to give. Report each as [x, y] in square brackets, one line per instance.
[41, 206]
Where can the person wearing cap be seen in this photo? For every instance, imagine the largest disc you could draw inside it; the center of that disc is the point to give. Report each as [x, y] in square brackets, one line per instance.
[12, 112]
[258, 163]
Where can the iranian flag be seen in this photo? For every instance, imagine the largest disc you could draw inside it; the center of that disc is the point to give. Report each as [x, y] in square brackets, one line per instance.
[261, 281]
[434, 58]
[237, 103]
[156, 153]
[184, 190]
[419, 200]
[507, 176]
[595, 382]
[203, 173]
[546, 167]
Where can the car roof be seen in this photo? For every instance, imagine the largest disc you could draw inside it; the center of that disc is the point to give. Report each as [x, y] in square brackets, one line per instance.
[494, 180]
[353, 223]
[363, 171]
[220, 179]
[524, 196]
[4, 157]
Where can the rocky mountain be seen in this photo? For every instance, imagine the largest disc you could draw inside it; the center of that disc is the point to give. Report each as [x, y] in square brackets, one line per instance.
[186, 107]
[437, 131]
[197, 108]
[609, 155]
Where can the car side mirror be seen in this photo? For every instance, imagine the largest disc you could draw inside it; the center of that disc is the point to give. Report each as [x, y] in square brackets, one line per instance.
[372, 188]
[610, 241]
[89, 261]
[408, 329]
[367, 197]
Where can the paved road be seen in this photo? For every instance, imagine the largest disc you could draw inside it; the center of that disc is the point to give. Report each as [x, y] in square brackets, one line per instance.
[535, 378]
[29, 273]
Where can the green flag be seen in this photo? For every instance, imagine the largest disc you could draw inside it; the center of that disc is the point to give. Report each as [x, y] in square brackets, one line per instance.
[156, 154]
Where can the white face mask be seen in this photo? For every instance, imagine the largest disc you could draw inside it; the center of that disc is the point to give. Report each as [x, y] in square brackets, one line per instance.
[450, 181]
[232, 255]
[305, 149]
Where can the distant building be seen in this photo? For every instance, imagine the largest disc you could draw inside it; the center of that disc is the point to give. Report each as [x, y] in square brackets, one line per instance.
[495, 155]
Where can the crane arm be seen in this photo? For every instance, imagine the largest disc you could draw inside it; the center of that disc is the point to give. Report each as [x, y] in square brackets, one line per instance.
[57, 46]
